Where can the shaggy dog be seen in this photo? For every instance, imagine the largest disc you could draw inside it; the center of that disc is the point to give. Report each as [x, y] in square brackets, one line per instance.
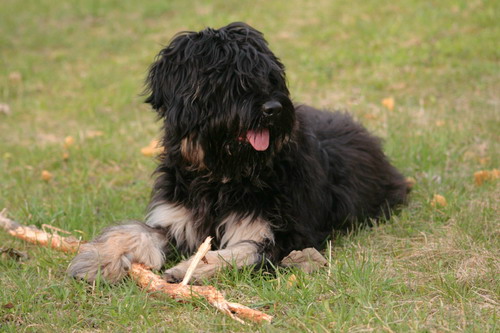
[243, 164]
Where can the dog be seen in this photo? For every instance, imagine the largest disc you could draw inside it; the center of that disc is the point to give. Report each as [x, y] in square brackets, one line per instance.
[243, 164]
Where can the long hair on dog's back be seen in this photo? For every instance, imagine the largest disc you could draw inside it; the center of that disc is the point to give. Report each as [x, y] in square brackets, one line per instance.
[243, 164]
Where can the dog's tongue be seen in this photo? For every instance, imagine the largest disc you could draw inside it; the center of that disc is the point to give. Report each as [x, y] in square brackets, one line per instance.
[259, 139]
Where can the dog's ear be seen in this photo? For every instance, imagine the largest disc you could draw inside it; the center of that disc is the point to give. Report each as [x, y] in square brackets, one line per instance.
[166, 77]
[155, 81]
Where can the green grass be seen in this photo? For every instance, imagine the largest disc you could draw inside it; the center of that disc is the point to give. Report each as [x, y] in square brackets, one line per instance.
[82, 66]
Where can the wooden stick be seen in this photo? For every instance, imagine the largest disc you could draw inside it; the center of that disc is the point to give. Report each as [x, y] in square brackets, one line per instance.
[154, 283]
[202, 251]
[144, 277]
[37, 236]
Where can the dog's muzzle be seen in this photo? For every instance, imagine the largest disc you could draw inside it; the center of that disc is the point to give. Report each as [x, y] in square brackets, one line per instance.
[260, 138]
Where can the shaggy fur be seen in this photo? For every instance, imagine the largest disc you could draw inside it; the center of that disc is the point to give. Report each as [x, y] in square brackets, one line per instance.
[243, 164]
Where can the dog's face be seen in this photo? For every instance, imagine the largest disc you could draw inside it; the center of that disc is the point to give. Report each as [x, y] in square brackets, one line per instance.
[223, 97]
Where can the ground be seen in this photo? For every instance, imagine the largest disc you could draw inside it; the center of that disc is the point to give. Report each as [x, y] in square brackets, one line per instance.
[425, 76]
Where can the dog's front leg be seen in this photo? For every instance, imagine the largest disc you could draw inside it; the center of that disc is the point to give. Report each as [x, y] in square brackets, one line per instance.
[246, 253]
[112, 253]
[242, 243]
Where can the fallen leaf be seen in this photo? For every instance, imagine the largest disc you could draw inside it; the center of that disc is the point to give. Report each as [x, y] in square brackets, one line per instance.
[152, 149]
[68, 141]
[480, 177]
[154, 143]
[46, 175]
[292, 280]
[388, 102]
[438, 200]
[485, 176]
[8, 306]
[147, 151]
[411, 182]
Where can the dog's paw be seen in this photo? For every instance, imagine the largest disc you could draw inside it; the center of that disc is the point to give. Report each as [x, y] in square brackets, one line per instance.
[206, 268]
[174, 275]
[90, 263]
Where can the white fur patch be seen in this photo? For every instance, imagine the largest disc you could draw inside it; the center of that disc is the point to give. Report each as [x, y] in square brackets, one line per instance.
[234, 230]
[237, 251]
[178, 220]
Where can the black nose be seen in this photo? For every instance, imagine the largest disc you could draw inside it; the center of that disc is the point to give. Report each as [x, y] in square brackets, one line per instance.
[271, 108]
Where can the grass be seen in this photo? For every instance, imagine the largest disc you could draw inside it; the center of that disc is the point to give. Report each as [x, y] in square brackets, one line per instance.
[74, 68]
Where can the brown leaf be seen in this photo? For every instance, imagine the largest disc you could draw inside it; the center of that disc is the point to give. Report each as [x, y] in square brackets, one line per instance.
[480, 177]
[68, 141]
[389, 103]
[46, 176]
[438, 201]
[292, 280]
[152, 149]
[8, 306]
[410, 181]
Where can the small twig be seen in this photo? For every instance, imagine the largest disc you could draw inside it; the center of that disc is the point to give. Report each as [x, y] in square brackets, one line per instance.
[202, 251]
[144, 277]
[48, 226]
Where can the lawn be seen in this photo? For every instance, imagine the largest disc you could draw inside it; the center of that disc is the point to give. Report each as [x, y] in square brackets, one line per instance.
[71, 77]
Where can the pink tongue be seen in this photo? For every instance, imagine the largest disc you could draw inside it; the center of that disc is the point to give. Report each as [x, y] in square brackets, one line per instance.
[259, 139]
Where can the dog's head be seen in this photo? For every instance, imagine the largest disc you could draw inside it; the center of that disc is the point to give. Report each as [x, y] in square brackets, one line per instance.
[223, 98]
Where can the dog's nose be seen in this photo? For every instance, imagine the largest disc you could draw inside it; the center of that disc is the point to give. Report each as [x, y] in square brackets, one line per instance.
[271, 108]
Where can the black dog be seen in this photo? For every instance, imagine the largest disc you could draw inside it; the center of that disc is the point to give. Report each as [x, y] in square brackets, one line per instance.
[243, 164]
